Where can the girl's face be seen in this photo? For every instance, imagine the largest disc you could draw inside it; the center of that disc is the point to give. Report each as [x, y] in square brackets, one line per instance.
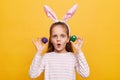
[59, 38]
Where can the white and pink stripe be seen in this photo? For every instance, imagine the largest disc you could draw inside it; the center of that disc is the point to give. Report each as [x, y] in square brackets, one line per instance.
[59, 66]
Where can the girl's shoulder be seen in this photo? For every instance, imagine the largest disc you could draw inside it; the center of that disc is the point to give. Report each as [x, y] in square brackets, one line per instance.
[72, 54]
[47, 54]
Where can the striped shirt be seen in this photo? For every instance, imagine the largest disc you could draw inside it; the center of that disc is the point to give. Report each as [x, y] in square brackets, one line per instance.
[59, 66]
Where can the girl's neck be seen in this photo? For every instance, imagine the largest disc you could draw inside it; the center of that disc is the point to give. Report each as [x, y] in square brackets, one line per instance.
[61, 52]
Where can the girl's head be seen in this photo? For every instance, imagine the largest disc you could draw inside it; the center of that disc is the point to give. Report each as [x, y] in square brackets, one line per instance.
[59, 38]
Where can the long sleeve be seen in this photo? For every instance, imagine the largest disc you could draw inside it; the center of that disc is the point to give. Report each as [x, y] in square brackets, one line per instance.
[82, 65]
[37, 66]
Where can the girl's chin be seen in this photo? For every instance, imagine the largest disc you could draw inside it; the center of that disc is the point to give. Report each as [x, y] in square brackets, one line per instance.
[59, 50]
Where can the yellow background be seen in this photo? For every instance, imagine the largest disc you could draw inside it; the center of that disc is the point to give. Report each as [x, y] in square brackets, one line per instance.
[98, 21]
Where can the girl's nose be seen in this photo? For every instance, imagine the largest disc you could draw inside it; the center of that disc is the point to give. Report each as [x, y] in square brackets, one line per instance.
[58, 38]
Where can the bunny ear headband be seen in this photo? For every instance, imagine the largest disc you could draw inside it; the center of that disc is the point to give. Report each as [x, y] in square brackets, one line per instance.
[50, 13]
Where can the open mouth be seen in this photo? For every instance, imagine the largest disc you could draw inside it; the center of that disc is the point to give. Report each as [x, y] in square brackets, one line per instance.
[58, 45]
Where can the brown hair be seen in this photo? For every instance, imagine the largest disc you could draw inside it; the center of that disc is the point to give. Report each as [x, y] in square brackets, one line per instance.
[68, 45]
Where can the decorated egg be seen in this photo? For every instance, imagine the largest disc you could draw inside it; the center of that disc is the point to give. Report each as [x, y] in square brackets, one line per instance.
[44, 40]
[73, 38]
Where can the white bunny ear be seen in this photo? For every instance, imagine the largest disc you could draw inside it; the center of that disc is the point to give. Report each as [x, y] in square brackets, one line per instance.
[50, 13]
[70, 13]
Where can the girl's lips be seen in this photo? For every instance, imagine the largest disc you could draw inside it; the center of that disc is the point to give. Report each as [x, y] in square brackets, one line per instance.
[58, 45]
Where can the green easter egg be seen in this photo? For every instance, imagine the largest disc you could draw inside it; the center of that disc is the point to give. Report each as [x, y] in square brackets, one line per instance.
[73, 38]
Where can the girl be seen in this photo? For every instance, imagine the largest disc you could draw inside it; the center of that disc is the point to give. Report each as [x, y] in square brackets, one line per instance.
[59, 63]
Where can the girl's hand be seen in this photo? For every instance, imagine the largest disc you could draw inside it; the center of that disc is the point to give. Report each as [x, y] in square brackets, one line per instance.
[78, 44]
[39, 45]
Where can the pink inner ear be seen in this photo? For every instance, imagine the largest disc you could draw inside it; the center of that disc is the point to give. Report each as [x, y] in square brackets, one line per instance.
[49, 12]
[70, 13]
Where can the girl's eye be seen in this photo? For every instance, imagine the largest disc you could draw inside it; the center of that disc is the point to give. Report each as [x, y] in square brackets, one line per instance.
[54, 36]
[62, 35]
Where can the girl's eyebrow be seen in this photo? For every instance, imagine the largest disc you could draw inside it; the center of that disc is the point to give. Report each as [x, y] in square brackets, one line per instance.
[54, 35]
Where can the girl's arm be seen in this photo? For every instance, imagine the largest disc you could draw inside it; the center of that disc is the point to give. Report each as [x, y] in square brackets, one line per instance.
[38, 63]
[37, 66]
[82, 65]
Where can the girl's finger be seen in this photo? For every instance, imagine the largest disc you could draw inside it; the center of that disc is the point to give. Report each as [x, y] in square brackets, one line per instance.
[82, 39]
[78, 39]
[33, 41]
[38, 39]
[45, 44]
[72, 44]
